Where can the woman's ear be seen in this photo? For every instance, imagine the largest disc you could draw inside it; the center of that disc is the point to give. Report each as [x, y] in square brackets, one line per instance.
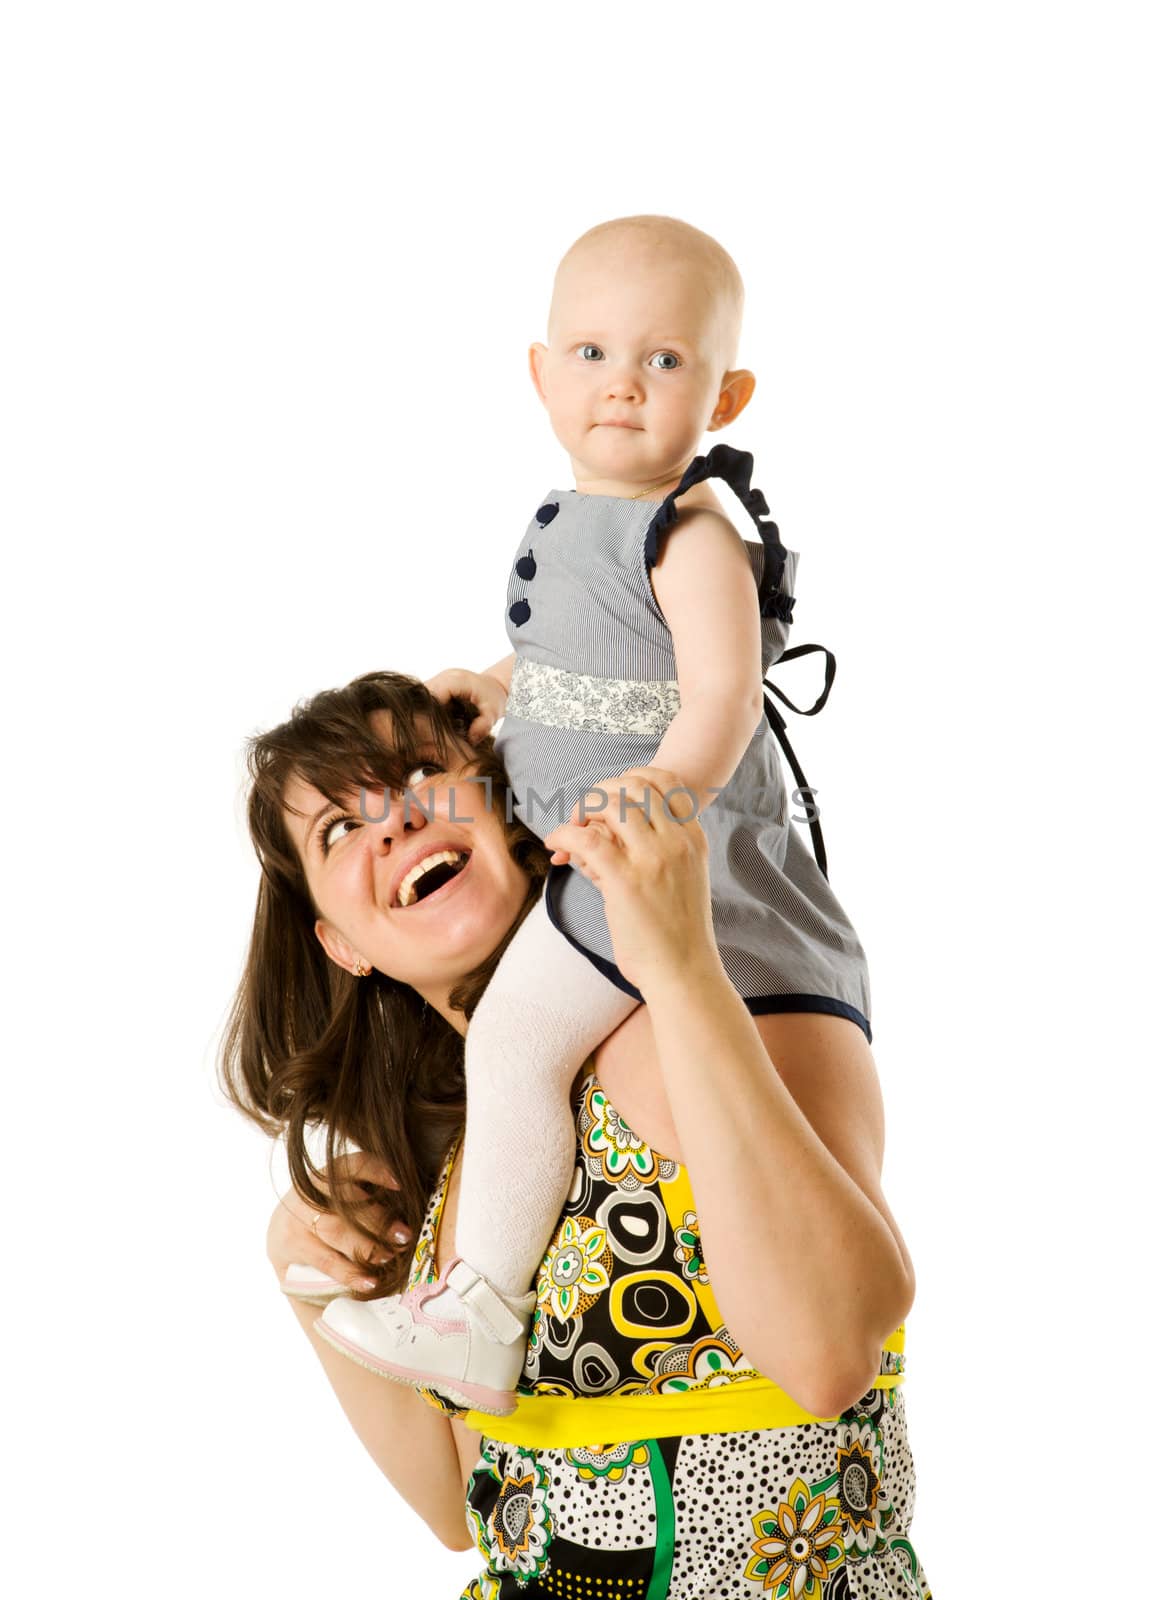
[342, 954]
[735, 393]
[537, 355]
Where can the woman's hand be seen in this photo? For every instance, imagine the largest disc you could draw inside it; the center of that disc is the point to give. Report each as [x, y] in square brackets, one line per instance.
[474, 688]
[652, 872]
[330, 1244]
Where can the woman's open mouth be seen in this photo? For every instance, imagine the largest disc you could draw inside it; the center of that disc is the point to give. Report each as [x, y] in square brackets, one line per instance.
[430, 876]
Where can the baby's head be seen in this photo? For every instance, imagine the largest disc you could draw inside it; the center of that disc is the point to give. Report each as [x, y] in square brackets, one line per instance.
[643, 330]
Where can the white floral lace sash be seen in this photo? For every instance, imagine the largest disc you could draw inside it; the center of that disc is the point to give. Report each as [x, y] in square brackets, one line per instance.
[560, 699]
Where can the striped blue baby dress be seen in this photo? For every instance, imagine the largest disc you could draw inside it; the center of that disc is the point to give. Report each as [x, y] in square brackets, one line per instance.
[593, 692]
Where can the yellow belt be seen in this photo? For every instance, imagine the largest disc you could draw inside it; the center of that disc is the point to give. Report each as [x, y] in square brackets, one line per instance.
[553, 1422]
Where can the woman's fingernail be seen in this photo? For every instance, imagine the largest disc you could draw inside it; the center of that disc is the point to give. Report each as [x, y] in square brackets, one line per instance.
[368, 1283]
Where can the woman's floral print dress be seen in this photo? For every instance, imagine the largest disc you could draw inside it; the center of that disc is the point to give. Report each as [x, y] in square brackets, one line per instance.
[624, 1306]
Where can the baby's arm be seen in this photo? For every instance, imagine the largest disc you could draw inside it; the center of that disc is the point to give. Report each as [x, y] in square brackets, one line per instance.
[706, 589]
[501, 670]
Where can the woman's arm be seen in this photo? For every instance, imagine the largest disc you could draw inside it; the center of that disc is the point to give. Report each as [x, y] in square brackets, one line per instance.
[804, 1259]
[783, 1145]
[409, 1441]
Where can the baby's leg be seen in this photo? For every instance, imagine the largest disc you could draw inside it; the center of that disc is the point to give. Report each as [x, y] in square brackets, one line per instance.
[545, 1008]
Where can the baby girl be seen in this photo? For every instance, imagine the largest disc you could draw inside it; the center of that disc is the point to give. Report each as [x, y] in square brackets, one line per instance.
[642, 625]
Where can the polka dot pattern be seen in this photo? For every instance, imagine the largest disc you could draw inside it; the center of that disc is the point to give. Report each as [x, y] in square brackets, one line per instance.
[729, 1515]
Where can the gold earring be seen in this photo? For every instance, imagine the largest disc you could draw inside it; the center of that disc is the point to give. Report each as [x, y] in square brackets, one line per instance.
[360, 971]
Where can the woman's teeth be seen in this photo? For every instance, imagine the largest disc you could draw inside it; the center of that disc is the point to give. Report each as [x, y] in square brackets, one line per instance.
[441, 858]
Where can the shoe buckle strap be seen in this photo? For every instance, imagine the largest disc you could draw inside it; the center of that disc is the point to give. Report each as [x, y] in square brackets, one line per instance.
[484, 1303]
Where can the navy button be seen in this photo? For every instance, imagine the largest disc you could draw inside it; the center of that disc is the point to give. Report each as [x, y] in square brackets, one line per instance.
[546, 514]
[519, 612]
[526, 567]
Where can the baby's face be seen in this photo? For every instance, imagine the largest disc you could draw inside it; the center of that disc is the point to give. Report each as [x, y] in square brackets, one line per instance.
[636, 340]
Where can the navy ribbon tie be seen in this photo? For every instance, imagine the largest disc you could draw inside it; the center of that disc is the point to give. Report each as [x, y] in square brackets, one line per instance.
[778, 605]
[777, 723]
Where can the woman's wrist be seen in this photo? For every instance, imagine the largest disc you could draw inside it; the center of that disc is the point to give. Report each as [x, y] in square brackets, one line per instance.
[680, 985]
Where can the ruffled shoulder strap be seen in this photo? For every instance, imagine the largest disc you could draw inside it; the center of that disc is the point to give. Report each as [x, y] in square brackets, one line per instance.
[736, 468]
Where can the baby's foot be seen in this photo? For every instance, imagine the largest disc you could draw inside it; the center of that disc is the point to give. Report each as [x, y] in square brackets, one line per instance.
[459, 1336]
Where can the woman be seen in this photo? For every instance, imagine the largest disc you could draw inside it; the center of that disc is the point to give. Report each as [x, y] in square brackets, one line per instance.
[351, 1015]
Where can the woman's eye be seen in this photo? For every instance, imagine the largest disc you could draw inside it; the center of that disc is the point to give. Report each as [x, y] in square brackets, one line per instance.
[337, 829]
[587, 348]
[378, 807]
[668, 355]
[417, 783]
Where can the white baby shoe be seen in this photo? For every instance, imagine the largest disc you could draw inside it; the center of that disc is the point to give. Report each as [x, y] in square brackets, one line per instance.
[310, 1284]
[458, 1336]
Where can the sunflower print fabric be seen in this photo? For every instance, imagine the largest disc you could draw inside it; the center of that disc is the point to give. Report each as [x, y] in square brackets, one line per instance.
[818, 1511]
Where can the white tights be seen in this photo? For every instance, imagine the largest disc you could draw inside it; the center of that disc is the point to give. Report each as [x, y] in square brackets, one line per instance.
[546, 1007]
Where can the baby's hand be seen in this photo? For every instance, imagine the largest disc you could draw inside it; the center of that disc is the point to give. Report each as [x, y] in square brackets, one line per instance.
[630, 784]
[475, 689]
[651, 868]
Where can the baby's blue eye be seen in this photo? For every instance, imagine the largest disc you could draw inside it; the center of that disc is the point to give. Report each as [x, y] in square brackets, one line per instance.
[594, 347]
[671, 356]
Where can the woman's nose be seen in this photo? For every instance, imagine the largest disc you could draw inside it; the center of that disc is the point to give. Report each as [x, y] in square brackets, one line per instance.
[389, 814]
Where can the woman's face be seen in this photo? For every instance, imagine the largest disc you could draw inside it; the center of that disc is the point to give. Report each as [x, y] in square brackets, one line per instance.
[356, 858]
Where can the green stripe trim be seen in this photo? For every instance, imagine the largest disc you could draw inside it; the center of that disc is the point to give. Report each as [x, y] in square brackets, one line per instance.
[665, 1525]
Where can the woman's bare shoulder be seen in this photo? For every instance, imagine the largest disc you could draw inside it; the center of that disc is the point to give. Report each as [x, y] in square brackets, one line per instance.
[626, 1064]
[825, 1063]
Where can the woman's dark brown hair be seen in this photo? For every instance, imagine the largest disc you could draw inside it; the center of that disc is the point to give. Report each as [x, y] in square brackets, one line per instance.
[309, 1046]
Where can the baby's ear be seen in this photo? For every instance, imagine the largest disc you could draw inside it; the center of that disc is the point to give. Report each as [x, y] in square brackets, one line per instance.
[537, 355]
[735, 393]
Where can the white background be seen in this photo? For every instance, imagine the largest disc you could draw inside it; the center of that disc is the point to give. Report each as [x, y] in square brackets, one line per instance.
[270, 275]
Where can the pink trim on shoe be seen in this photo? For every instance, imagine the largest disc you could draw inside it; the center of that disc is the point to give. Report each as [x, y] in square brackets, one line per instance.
[413, 1301]
[474, 1395]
